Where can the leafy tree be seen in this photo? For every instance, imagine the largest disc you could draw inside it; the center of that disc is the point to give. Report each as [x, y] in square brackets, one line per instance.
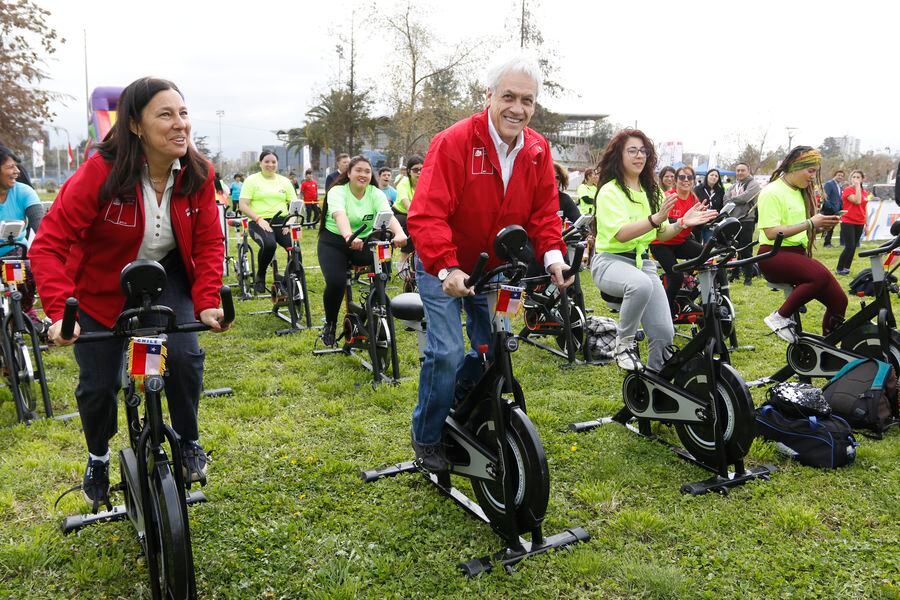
[24, 38]
[830, 148]
[337, 121]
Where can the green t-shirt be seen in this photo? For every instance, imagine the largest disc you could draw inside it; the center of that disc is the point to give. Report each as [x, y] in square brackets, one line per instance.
[586, 190]
[267, 196]
[616, 210]
[358, 211]
[404, 195]
[780, 204]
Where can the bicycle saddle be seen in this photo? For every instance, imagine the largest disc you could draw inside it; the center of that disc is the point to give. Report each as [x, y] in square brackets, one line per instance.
[408, 307]
[142, 278]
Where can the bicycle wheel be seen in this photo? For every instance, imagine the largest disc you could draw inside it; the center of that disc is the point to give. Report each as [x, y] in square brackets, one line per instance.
[735, 412]
[175, 562]
[531, 476]
[577, 322]
[245, 269]
[21, 371]
[864, 341]
[9, 368]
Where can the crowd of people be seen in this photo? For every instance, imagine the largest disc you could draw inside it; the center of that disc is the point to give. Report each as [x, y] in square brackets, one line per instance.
[148, 193]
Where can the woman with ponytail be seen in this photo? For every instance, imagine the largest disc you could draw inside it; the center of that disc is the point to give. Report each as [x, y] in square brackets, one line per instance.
[787, 205]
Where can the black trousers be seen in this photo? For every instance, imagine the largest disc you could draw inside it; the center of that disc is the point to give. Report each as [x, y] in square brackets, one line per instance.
[100, 367]
[334, 256]
[850, 236]
[267, 240]
[667, 256]
[748, 226]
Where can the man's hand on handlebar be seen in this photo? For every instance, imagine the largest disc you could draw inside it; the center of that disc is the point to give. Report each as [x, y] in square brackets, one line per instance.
[455, 284]
[54, 333]
[557, 275]
[213, 317]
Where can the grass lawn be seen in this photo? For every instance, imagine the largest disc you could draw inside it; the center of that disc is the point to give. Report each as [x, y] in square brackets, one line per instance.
[289, 517]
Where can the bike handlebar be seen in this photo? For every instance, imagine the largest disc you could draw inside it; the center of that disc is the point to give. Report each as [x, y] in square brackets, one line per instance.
[356, 233]
[124, 328]
[478, 271]
[884, 248]
[776, 246]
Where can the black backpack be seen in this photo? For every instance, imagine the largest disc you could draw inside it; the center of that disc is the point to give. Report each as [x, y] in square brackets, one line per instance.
[813, 441]
[863, 285]
[864, 393]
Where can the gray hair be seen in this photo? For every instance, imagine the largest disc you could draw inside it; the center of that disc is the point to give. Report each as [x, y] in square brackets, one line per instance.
[517, 63]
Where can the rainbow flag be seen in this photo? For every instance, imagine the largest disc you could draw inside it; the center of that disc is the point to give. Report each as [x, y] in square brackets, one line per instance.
[509, 300]
[14, 271]
[146, 356]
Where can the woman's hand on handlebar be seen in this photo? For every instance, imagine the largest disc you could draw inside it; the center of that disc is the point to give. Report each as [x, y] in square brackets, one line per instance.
[400, 240]
[455, 284]
[356, 244]
[55, 331]
[213, 317]
[698, 214]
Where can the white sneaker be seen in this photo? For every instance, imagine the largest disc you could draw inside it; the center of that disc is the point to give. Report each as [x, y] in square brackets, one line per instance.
[626, 354]
[782, 326]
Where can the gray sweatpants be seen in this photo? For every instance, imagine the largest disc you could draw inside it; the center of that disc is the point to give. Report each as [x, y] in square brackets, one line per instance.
[643, 301]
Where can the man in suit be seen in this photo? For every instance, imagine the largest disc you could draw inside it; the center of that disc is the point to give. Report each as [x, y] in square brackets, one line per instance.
[832, 203]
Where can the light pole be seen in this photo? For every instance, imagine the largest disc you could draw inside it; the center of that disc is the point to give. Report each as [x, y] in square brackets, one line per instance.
[220, 114]
[790, 132]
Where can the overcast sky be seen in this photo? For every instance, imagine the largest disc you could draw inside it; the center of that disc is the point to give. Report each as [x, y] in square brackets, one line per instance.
[695, 72]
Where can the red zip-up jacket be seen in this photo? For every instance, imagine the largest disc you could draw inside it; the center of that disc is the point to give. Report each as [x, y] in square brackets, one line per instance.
[84, 243]
[460, 205]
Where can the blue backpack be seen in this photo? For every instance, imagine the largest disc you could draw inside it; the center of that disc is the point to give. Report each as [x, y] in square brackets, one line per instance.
[864, 393]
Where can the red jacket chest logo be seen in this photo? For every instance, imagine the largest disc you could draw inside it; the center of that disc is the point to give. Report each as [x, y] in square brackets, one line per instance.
[481, 164]
[121, 213]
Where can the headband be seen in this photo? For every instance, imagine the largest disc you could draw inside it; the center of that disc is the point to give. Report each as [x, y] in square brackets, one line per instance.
[810, 158]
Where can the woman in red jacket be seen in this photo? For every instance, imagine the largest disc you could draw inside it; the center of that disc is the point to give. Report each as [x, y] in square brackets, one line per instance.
[682, 245]
[147, 193]
[854, 200]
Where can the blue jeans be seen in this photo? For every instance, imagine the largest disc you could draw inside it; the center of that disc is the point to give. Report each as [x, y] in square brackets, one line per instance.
[445, 357]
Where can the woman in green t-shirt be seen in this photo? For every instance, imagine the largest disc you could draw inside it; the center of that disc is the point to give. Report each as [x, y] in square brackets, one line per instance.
[631, 213]
[587, 191]
[351, 202]
[263, 195]
[406, 189]
[787, 205]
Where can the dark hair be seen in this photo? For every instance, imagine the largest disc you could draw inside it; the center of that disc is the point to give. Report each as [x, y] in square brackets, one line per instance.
[587, 173]
[384, 170]
[124, 149]
[340, 156]
[342, 179]
[265, 153]
[836, 171]
[236, 175]
[861, 174]
[308, 172]
[808, 193]
[6, 153]
[685, 168]
[740, 162]
[718, 186]
[412, 161]
[611, 168]
[667, 169]
[562, 176]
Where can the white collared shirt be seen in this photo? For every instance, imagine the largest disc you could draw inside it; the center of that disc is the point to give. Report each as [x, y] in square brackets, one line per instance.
[159, 239]
[507, 158]
[507, 162]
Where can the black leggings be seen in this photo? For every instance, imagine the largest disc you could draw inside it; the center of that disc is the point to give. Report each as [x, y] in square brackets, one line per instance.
[850, 235]
[334, 256]
[666, 256]
[267, 244]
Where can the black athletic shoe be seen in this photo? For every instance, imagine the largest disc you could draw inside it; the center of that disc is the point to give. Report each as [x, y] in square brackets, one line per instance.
[748, 281]
[194, 461]
[328, 333]
[95, 485]
[259, 286]
[431, 457]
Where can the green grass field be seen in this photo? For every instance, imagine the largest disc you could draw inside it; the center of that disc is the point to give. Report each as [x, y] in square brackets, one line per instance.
[289, 517]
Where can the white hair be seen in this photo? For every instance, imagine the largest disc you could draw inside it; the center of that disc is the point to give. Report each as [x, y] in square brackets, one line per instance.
[520, 62]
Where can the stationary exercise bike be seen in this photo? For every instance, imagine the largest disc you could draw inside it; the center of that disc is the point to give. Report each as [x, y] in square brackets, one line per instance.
[289, 289]
[20, 348]
[489, 438]
[245, 262]
[562, 316]
[151, 469]
[368, 328]
[814, 355]
[697, 389]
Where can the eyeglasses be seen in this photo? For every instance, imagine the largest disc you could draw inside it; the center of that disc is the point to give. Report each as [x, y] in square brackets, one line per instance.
[684, 177]
[416, 170]
[635, 151]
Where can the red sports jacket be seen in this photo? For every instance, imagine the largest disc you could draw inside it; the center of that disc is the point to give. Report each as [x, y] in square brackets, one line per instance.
[460, 206]
[84, 243]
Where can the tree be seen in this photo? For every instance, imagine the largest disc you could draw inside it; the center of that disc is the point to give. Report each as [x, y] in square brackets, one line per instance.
[337, 121]
[830, 148]
[202, 145]
[24, 37]
[420, 74]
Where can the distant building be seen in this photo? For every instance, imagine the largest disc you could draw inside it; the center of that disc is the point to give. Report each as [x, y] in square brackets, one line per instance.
[849, 147]
[571, 146]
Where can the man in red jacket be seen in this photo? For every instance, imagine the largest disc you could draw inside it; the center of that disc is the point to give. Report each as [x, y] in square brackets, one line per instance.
[480, 175]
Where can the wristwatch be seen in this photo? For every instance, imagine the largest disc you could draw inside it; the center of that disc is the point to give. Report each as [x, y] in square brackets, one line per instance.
[445, 273]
